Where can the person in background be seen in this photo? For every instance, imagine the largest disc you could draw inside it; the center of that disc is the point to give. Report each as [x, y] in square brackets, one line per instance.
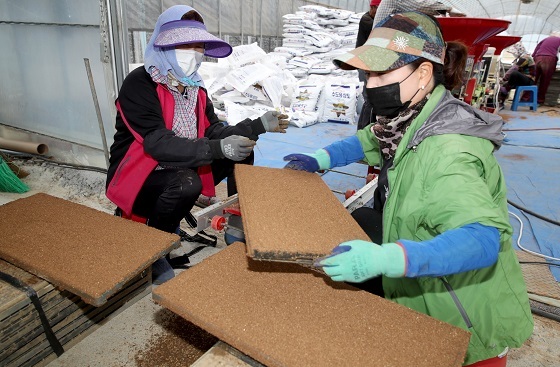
[366, 24]
[517, 49]
[546, 58]
[441, 236]
[521, 73]
[169, 146]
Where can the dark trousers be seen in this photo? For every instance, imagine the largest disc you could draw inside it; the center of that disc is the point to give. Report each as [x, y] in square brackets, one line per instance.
[371, 221]
[168, 195]
[516, 79]
[545, 67]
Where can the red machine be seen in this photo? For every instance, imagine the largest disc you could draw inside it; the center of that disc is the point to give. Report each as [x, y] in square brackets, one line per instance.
[501, 42]
[476, 33]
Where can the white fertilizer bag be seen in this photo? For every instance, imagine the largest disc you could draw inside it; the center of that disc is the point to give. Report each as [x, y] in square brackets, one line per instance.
[338, 104]
[303, 118]
[286, 55]
[245, 54]
[324, 67]
[242, 78]
[237, 113]
[293, 19]
[356, 17]
[318, 39]
[295, 41]
[304, 61]
[213, 85]
[255, 93]
[209, 70]
[273, 89]
[293, 51]
[233, 96]
[299, 72]
[305, 97]
[318, 50]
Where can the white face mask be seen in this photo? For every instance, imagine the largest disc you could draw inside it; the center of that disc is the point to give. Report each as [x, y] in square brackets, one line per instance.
[188, 60]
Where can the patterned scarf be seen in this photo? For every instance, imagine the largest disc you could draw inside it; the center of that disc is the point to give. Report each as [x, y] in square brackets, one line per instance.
[184, 118]
[389, 131]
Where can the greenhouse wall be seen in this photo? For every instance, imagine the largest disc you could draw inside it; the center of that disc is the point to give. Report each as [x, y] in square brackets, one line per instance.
[46, 42]
[46, 89]
[238, 22]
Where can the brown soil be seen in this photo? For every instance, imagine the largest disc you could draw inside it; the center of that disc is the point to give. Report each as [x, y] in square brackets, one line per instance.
[181, 345]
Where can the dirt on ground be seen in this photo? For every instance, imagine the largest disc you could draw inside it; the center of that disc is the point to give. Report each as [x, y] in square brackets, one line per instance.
[181, 344]
[543, 347]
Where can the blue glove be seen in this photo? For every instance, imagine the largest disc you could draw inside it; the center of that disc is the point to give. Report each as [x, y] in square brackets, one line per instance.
[310, 162]
[357, 261]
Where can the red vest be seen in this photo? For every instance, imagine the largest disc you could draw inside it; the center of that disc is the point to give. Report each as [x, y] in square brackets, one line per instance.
[136, 165]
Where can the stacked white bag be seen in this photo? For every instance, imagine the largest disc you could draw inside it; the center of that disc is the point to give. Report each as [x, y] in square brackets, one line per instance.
[313, 36]
[298, 78]
[248, 83]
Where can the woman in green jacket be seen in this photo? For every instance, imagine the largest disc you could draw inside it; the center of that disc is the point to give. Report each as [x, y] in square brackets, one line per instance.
[440, 210]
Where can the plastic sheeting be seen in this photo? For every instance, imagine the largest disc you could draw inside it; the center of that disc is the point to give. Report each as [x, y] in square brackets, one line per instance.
[247, 21]
[527, 16]
[529, 160]
[262, 16]
[246, 17]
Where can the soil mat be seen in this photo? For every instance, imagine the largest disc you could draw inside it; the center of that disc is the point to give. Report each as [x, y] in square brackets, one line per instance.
[287, 315]
[87, 252]
[291, 215]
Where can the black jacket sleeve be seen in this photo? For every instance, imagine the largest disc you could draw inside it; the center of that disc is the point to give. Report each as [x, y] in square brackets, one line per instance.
[140, 104]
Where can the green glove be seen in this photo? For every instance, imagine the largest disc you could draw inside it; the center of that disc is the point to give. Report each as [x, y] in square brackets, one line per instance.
[357, 261]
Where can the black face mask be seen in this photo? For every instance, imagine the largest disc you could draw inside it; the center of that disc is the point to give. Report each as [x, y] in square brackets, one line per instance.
[386, 100]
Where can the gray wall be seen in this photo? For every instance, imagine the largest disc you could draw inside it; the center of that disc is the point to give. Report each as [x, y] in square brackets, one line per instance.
[45, 87]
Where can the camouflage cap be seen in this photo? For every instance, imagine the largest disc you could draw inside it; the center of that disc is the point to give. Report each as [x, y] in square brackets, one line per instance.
[396, 41]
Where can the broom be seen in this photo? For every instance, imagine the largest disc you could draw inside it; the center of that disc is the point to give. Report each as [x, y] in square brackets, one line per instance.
[9, 181]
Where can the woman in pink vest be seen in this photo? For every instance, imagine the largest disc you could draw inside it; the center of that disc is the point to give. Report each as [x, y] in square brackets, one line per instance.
[169, 146]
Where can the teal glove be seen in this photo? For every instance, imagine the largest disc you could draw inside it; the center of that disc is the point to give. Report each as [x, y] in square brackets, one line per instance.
[357, 261]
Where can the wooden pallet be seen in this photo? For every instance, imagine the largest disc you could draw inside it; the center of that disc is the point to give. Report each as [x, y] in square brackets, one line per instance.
[22, 339]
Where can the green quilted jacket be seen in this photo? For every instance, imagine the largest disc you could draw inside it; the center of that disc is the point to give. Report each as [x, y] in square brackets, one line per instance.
[445, 176]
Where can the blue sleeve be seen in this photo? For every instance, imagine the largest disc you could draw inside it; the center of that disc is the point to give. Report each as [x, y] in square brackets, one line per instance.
[470, 247]
[344, 152]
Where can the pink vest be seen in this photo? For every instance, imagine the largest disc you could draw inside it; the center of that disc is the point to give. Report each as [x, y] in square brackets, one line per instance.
[136, 165]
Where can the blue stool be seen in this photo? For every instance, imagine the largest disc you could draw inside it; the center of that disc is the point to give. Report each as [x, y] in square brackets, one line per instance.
[519, 93]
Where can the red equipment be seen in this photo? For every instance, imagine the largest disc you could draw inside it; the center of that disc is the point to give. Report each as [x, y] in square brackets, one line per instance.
[474, 33]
